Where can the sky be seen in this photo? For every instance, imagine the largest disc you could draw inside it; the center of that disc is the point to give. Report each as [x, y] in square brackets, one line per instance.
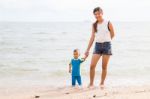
[73, 10]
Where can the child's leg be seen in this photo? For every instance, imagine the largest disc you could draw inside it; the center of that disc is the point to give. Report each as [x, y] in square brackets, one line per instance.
[73, 81]
[79, 80]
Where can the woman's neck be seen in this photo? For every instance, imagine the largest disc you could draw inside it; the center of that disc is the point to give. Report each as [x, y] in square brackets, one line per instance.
[101, 20]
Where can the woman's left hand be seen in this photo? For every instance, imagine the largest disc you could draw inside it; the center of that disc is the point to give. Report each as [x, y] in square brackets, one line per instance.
[86, 54]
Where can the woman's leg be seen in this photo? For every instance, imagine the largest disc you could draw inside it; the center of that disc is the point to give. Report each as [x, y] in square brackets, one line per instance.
[105, 60]
[95, 58]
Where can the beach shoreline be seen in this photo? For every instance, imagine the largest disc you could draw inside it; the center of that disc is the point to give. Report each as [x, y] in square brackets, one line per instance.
[34, 61]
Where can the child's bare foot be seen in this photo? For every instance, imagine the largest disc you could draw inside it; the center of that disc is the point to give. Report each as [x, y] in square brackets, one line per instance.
[80, 87]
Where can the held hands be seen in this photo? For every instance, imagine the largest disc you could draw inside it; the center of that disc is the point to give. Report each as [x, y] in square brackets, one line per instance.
[86, 54]
[84, 58]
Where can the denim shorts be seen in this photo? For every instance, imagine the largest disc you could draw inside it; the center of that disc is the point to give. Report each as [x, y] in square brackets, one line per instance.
[103, 48]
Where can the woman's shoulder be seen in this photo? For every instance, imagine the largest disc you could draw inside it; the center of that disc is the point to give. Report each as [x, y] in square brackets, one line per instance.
[94, 22]
[106, 20]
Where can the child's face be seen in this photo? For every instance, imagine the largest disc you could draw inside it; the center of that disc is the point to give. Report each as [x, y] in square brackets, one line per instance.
[98, 15]
[76, 54]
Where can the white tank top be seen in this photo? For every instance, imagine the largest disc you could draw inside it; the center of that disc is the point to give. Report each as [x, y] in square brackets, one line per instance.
[102, 34]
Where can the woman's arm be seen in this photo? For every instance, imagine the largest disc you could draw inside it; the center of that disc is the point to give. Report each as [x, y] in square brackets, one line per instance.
[90, 42]
[112, 34]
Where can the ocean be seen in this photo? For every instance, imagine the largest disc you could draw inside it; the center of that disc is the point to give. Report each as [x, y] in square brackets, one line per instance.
[38, 53]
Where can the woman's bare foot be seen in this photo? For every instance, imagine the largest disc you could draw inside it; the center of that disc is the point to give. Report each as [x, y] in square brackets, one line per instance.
[102, 86]
[91, 86]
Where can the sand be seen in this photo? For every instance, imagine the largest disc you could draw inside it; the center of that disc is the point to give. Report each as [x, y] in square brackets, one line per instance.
[134, 92]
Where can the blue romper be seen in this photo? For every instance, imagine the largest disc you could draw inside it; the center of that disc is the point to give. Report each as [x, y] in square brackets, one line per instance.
[76, 71]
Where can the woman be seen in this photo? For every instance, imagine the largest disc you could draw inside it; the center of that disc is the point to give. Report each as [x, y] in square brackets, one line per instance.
[102, 33]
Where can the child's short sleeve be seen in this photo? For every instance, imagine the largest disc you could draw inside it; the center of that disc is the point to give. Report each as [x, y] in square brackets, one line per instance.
[81, 60]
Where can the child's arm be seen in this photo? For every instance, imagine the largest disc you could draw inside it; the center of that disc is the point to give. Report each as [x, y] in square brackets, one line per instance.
[83, 59]
[69, 67]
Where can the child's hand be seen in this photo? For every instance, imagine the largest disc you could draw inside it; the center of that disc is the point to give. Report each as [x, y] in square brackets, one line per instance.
[84, 58]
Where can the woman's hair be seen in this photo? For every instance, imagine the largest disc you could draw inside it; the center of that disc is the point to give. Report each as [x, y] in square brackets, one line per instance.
[97, 9]
[95, 23]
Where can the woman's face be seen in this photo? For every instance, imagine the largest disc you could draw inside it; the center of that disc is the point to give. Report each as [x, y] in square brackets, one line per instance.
[98, 15]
